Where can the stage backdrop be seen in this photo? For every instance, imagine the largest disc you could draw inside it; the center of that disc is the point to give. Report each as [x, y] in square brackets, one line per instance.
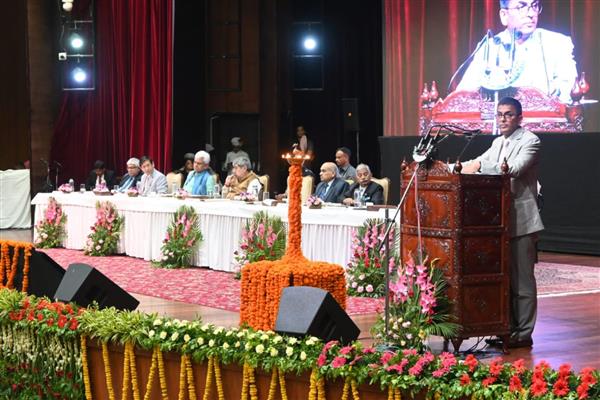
[129, 113]
[427, 40]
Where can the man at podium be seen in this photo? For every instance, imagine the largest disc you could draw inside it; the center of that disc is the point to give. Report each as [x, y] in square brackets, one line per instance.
[522, 55]
[520, 148]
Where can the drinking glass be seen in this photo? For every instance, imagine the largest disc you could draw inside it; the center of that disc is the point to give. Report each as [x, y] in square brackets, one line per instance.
[82, 188]
[357, 199]
[266, 196]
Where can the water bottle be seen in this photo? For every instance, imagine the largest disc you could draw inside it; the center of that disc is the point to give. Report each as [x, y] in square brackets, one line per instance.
[72, 184]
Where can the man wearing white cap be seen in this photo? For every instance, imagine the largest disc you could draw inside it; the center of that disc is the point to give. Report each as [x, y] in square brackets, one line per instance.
[133, 176]
[237, 152]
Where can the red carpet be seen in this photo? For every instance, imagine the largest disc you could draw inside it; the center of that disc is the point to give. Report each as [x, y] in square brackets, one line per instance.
[201, 286]
[220, 290]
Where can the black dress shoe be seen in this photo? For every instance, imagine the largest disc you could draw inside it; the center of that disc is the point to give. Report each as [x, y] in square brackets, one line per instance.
[494, 341]
[512, 343]
[515, 343]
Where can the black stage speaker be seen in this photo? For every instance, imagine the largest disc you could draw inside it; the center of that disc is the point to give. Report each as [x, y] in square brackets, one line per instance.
[305, 310]
[83, 284]
[44, 274]
[350, 114]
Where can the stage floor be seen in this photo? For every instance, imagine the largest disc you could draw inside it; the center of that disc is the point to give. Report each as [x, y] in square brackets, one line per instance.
[567, 330]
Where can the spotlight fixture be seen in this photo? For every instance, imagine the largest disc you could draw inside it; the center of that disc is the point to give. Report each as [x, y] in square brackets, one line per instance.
[79, 75]
[67, 5]
[76, 41]
[310, 43]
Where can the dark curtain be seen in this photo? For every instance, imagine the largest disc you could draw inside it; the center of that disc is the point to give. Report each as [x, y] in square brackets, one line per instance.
[426, 40]
[129, 113]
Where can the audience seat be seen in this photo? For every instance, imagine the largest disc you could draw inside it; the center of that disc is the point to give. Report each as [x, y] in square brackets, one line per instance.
[172, 178]
[385, 184]
[264, 181]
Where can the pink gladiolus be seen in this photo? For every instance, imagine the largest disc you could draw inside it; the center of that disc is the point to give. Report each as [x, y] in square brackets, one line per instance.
[190, 243]
[261, 230]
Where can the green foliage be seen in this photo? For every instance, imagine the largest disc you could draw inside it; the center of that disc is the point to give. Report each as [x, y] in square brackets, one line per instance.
[104, 238]
[419, 307]
[183, 236]
[51, 230]
[263, 238]
[365, 274]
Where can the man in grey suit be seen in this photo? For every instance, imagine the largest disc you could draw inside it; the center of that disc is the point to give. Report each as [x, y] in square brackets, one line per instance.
[331, 188]
[153, 181]
[520, 148]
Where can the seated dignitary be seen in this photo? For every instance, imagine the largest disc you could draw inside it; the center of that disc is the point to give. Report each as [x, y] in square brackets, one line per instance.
[133, 175]
[243, 179]
[100, 176]
[331, 189]
[368, 190]
[153, 181]
[200, 181]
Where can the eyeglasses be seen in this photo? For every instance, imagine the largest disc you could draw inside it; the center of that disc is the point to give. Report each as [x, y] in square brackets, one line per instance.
[507, 115]
[523, 8]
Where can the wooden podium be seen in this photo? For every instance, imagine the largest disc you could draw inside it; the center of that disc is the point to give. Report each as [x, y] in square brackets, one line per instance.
[464, 223]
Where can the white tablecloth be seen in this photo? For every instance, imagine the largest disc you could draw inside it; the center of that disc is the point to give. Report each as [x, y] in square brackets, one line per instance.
[326, 233]
[15, 209]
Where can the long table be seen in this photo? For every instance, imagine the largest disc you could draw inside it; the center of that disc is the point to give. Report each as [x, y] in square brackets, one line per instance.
[326, 232]
[15, 211]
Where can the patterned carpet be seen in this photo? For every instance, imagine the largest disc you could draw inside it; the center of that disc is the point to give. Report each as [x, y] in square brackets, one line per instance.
[220, 290]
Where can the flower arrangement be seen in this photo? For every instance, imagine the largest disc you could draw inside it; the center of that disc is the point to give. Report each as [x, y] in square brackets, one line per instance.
[182, 237]
[40, 350]
[263, 238]
[419, 307]
[314, 202]
[101, 188]
[51, 229]
[365, 274]
[66, 188]
[133, 192]
[104, 238]
[246, 196]
[181, 194]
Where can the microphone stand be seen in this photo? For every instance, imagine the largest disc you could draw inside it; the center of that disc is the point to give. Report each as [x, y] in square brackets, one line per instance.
[422, 154]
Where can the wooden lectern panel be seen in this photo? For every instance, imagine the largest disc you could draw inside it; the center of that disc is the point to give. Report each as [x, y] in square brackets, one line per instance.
[464, 223]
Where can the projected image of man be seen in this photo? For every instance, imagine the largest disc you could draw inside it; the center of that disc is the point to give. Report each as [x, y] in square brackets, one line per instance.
[523, 55]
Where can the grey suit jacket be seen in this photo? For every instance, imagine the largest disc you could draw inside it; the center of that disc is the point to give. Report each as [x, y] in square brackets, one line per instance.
[157, 184]
[522, 156]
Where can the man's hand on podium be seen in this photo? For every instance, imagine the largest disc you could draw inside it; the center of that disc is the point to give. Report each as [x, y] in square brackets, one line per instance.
[471, 168]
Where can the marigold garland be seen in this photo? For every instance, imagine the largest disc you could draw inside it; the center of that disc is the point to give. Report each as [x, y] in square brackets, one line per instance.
[161, 374]
[263, 281]
[151, 374]
[126, 377]
[132, 366]
[107, 372]
[86, 370]
[248, 383]
[190, 378]
[394, 393]
[282, 387]
[9, 266]
[317, 386]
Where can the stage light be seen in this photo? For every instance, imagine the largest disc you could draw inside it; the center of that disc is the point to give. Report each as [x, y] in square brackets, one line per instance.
[310, 43]
[79, 75]
[76, 41]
